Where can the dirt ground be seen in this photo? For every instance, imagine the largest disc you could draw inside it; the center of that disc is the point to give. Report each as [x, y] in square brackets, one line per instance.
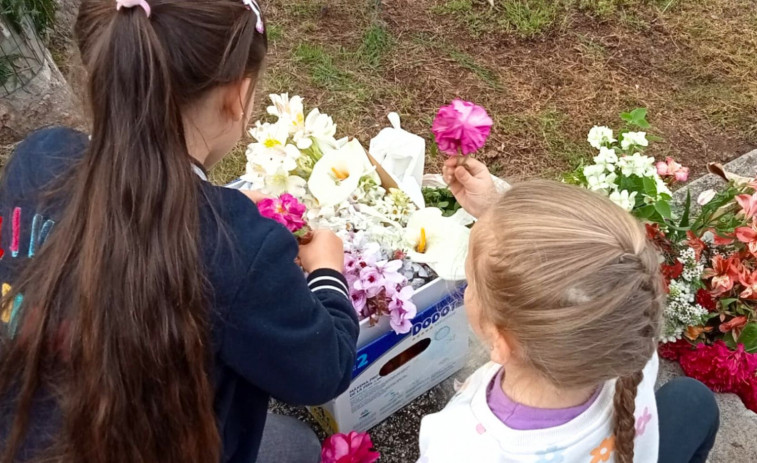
[545, 70]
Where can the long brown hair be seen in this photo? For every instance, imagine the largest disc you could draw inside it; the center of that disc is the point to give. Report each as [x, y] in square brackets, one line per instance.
[561, 269]
[115, 321]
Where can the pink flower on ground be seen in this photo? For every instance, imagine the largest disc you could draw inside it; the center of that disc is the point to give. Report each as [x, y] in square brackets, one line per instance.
[349, 448]
[461, 127]
[719, 368]
[285, 210]
[748, 236]
[402, 310]
[748, 205]
[670, 168]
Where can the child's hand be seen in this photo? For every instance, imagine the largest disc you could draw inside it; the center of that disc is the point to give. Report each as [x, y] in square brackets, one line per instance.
[471, 184]
[254, 195]
[325, 250]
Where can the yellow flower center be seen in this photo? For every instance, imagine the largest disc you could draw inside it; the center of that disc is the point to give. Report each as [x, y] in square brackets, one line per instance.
[421, 247]
[271, 142]
[340, 174]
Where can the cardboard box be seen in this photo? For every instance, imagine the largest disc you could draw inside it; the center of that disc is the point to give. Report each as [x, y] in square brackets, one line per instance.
[392, 370]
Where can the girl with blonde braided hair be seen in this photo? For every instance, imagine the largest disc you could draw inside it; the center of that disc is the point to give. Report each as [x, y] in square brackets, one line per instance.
[564, 289]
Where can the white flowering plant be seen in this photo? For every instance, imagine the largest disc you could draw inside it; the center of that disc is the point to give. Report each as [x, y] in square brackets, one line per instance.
[391, 246]
[622, 171]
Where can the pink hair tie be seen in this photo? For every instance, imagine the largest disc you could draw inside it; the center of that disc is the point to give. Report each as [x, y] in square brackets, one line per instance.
[253, 5]
[132, 3]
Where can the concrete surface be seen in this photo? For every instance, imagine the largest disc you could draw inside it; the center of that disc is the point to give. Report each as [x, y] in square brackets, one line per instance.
[397, 437]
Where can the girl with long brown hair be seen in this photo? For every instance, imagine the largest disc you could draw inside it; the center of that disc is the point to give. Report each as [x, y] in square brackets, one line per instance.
[564, 289]
[147, 314]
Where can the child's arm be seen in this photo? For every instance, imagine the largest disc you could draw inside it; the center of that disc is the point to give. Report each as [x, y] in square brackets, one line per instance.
[471, 183]
[293, 338]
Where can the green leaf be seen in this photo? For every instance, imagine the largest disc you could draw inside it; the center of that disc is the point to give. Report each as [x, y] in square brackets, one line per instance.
[724, 303]
[637, 117]
[663, 208]
[650, 187]
[748, 337]
[729, 341]
[644, 212]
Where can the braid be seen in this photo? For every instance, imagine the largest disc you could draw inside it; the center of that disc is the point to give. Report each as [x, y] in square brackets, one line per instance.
[624, 422]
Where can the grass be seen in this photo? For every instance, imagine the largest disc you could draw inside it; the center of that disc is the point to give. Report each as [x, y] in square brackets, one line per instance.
[376, 43]
[545, 70]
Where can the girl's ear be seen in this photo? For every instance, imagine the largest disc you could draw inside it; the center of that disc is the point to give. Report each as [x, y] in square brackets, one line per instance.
[501, 349]
[236, 96]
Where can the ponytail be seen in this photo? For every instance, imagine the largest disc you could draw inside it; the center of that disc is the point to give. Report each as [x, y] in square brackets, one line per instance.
[624, 422]
[119, 282]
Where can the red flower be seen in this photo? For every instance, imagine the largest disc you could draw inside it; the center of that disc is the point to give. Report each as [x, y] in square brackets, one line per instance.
[657, 237]
[748, 394]
[673, 350]
[733, 324]
[748, 236]
[349, 448]
[695, 243]
[718, 367]
[671, 272]
[724, 273]
[705, 299]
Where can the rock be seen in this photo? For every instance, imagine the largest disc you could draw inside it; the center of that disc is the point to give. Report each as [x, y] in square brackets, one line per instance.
[35, 98]
[745, 165]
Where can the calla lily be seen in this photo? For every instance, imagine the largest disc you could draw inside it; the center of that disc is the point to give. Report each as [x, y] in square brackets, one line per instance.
[337, 174]
[440, 242]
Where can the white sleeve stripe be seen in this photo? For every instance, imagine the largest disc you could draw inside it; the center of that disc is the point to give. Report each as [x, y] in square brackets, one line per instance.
[333, 288]
[334, 279]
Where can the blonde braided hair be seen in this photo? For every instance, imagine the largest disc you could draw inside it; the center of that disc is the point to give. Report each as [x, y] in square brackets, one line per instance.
[561, 269]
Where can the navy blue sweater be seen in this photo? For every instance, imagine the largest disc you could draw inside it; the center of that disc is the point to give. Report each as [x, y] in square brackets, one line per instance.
[274, 333]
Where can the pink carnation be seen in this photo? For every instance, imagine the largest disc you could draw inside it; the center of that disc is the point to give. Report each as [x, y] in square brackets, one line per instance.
[718, 367]
[461, 127]
[349, 448]
[285, 210]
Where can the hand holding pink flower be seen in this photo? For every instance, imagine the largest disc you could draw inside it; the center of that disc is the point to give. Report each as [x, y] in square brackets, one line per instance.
[349, 448]
[461, 128]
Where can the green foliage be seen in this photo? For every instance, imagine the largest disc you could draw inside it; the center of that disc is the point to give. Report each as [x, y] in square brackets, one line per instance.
[748, 337]
[41, 12]
[376, 42]
[441, 198]
[637, 117]
[7, 65]
[719, 214]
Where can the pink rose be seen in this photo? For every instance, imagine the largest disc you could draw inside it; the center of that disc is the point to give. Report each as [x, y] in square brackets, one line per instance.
[349, 448]
[461, 127]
